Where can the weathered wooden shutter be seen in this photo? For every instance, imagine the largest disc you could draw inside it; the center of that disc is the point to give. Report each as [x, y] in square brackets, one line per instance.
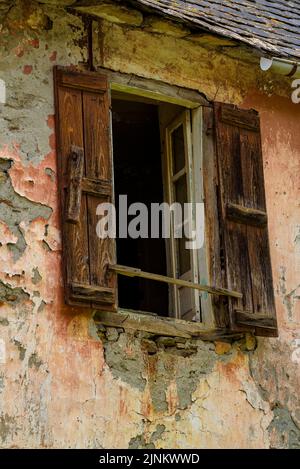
[243, 219]
[85, 174]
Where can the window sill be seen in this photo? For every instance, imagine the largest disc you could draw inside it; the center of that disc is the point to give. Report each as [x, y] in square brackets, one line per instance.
[158, 325]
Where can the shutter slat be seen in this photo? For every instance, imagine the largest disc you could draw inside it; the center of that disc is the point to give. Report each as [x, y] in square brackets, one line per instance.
[70, 132]
[98, 165]
[237, 264]
[243, 219]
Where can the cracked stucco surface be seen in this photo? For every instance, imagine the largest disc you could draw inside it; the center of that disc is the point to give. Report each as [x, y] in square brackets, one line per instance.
[62, 384]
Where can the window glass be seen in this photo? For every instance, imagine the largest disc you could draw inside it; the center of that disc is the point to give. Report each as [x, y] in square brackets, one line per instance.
[178, 149]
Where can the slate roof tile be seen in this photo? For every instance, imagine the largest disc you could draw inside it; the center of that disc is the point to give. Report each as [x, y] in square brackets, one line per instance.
[271, 26]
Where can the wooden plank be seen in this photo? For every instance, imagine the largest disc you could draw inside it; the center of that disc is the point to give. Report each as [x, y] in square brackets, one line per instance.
[194, 303]
[110, 11]
[213, 233]
[154, 89]
[139, 321]
[92, 293]
[133, 272]
[98, 166]
[239, 118]
[237, 263]
[257, 320]
[248, 216]
[252, 169]
[97, 187]
[258, 239]
[88, 81]
[142, 322]
[76, 167]
[260, 265]
[199, 148]
[75, 238]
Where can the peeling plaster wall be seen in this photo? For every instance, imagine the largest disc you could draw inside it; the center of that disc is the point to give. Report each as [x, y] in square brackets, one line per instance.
[61, 383]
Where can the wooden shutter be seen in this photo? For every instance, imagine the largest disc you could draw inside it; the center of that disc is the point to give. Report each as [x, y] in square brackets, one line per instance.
[85, 175]
[243, 219]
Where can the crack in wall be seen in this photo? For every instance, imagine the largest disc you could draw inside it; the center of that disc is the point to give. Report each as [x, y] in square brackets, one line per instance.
[288, 298]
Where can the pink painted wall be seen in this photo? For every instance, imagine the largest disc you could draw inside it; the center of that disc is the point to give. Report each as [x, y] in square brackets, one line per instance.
[61, 384]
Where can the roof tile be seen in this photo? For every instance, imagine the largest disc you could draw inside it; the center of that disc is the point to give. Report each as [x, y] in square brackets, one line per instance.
[271, 26]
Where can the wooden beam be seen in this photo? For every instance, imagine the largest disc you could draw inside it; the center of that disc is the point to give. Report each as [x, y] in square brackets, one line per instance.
[249, 216]
[96, 294]
[240, 118]
[110, 11]
[100, 187]
[154, 89]
[155, 24]
[85, 80]
[205, 39]
[133, 272]
[141, 321]
[257, 320]
[199, 143]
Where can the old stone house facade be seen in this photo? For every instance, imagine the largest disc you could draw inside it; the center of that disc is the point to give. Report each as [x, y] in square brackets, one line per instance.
[75, 369]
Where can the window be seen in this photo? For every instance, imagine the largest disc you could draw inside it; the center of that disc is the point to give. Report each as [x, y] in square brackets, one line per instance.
[210, 153]
[180, 189]
[138, 175]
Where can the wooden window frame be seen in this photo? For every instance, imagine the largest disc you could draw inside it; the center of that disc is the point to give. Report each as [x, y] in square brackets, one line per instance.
[184, 119]
[194, 102]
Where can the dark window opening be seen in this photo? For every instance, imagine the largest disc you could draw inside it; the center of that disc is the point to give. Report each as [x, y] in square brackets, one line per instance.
[138, 174]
